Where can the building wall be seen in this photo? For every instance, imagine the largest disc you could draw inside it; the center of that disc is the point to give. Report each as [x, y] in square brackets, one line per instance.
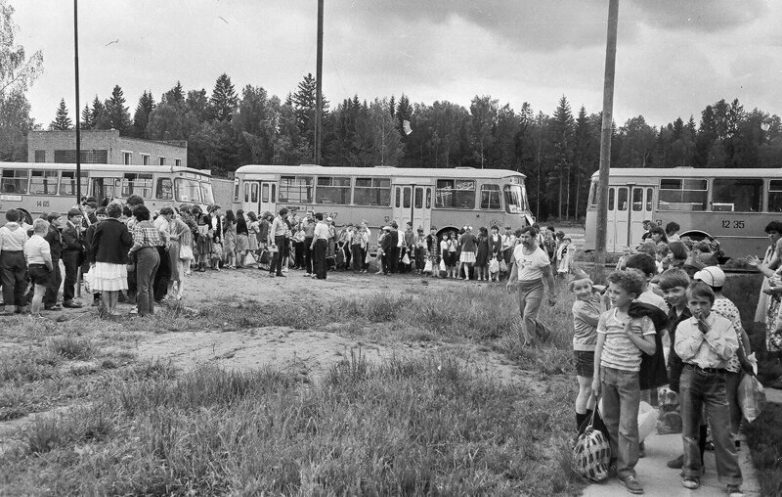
[103, 147]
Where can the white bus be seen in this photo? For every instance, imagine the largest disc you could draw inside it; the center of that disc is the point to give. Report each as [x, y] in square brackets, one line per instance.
[730, 205]
[38, 187]
[445, 198]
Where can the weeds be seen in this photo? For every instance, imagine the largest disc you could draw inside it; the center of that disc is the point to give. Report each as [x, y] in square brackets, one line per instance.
[73, 347]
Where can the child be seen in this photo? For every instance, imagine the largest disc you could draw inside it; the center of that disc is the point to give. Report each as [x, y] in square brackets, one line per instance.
[620, 342]
[705, 342]
[39, 263]
[564, 258]
[586, 314]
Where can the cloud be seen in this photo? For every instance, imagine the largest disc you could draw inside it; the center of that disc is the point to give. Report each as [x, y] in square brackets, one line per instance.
[699, 15]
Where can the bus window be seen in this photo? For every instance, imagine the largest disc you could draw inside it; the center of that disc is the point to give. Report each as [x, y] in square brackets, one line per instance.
[43, 182]
[236, 190]
[187, 190]
[254, 193]
[274, 192]
[332, 190]
[206, 192]
[14, 181]
[737, 194]
[137, 184]
[106, 188]
[775, 195]
[513, 199]
[649, 192]
[458, 194]
[68, 183]
[419, 198]
[610, 199]
[678, 194]
[265, 193]
[406, 197]
[490, 197]
[638, 199]
[372, 191]
[246, 191]
[398, 196]
[428, 198]
[593, 194]
[296, 189]
[165, 189]
[622, 200]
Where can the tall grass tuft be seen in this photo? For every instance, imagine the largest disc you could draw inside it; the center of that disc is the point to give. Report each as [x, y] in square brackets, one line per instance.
[73, 347]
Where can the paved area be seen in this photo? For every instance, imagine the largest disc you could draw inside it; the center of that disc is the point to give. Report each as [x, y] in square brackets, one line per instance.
[660, 481]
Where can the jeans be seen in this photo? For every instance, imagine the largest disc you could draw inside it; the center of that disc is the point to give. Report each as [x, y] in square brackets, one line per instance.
[13, 271]
[163, 274]
[621, 396]
[53, 288]
[530, 298]
[280, 241]
[147, 262]
[308, 255]
[699, 388]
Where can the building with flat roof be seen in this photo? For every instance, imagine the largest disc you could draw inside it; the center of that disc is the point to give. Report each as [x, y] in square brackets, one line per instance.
[104, 146]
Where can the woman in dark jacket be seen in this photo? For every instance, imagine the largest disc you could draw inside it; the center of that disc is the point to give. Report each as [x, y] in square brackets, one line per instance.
[109, 258]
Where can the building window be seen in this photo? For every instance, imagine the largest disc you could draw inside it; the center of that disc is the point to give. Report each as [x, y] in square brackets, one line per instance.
[14, 181]
[127, 158]
[455, 194]
[178, 162]
[333, 190]
[87, 156]
[372, 191]
[165, 190]
[490, 197]
[775, 195]
[162, 161]
[296, 189]
[40, 156]
[43, 182]
[145, 159]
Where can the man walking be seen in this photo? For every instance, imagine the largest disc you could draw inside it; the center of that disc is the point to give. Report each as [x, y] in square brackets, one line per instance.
[531, 266]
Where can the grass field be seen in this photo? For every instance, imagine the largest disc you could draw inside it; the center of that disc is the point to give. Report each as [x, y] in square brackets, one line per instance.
[411, 424]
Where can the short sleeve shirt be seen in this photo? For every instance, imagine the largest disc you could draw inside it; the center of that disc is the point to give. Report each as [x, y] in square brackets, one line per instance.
[530, 265]
[619, 352]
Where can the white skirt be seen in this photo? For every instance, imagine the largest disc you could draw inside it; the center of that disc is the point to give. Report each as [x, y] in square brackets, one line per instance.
[467, 257]
[109, 277]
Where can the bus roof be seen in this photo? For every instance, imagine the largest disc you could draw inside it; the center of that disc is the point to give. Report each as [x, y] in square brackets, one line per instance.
[311, 169]
[103, 167]
[690, 172]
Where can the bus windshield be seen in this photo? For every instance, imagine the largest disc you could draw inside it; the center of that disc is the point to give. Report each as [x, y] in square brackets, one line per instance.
[206, 193]
[514, 199]
[188, 190]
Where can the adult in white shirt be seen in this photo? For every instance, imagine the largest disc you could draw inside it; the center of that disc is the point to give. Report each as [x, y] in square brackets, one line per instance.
[530, 268]
[320, 240]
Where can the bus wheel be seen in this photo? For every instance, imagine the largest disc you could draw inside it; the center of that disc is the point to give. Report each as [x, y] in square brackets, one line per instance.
[697, 236]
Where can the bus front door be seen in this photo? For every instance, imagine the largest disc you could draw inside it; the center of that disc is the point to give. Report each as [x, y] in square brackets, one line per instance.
[642, 211]
[268, 197]
[250, 196]
[413, 204]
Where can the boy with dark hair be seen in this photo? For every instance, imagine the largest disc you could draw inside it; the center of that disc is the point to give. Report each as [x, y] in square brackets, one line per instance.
[620, 342]
[672, 231]
[705, 342]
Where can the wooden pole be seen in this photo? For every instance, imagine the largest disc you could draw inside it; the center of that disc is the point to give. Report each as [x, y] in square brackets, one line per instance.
[78, 109]
[605, 134]
[319, 86]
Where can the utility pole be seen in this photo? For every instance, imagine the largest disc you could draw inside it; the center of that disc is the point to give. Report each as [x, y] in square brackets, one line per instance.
[605, 132]
[319, 85]
[78, 123]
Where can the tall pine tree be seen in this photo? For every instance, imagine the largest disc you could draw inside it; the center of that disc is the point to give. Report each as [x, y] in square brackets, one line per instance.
[145, 106]
[61, 122]
[116, 111]
[224, 99]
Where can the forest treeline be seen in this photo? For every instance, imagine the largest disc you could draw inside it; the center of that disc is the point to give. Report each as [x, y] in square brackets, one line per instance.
[226, 128]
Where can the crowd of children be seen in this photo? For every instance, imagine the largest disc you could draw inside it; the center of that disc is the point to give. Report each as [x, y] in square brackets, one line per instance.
[663, 319]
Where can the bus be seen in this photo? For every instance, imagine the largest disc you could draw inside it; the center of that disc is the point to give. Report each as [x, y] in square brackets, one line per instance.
[446, 198]
[732, 206]
[42, 187]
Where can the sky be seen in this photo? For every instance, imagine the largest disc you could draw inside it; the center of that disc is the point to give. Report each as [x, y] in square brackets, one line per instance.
[674, 57]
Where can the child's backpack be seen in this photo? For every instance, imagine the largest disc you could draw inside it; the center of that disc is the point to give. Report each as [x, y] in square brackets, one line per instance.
[592, 453]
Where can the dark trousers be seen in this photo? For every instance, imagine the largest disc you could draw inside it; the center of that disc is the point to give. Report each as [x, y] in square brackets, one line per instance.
[358, 255]
[163, 274]
[386, 261]
[308, 255]
[147, 262]
[276, 267]
[71, 260]
[53, 288]
[394, 259]
[319, 259]
[13, 272]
